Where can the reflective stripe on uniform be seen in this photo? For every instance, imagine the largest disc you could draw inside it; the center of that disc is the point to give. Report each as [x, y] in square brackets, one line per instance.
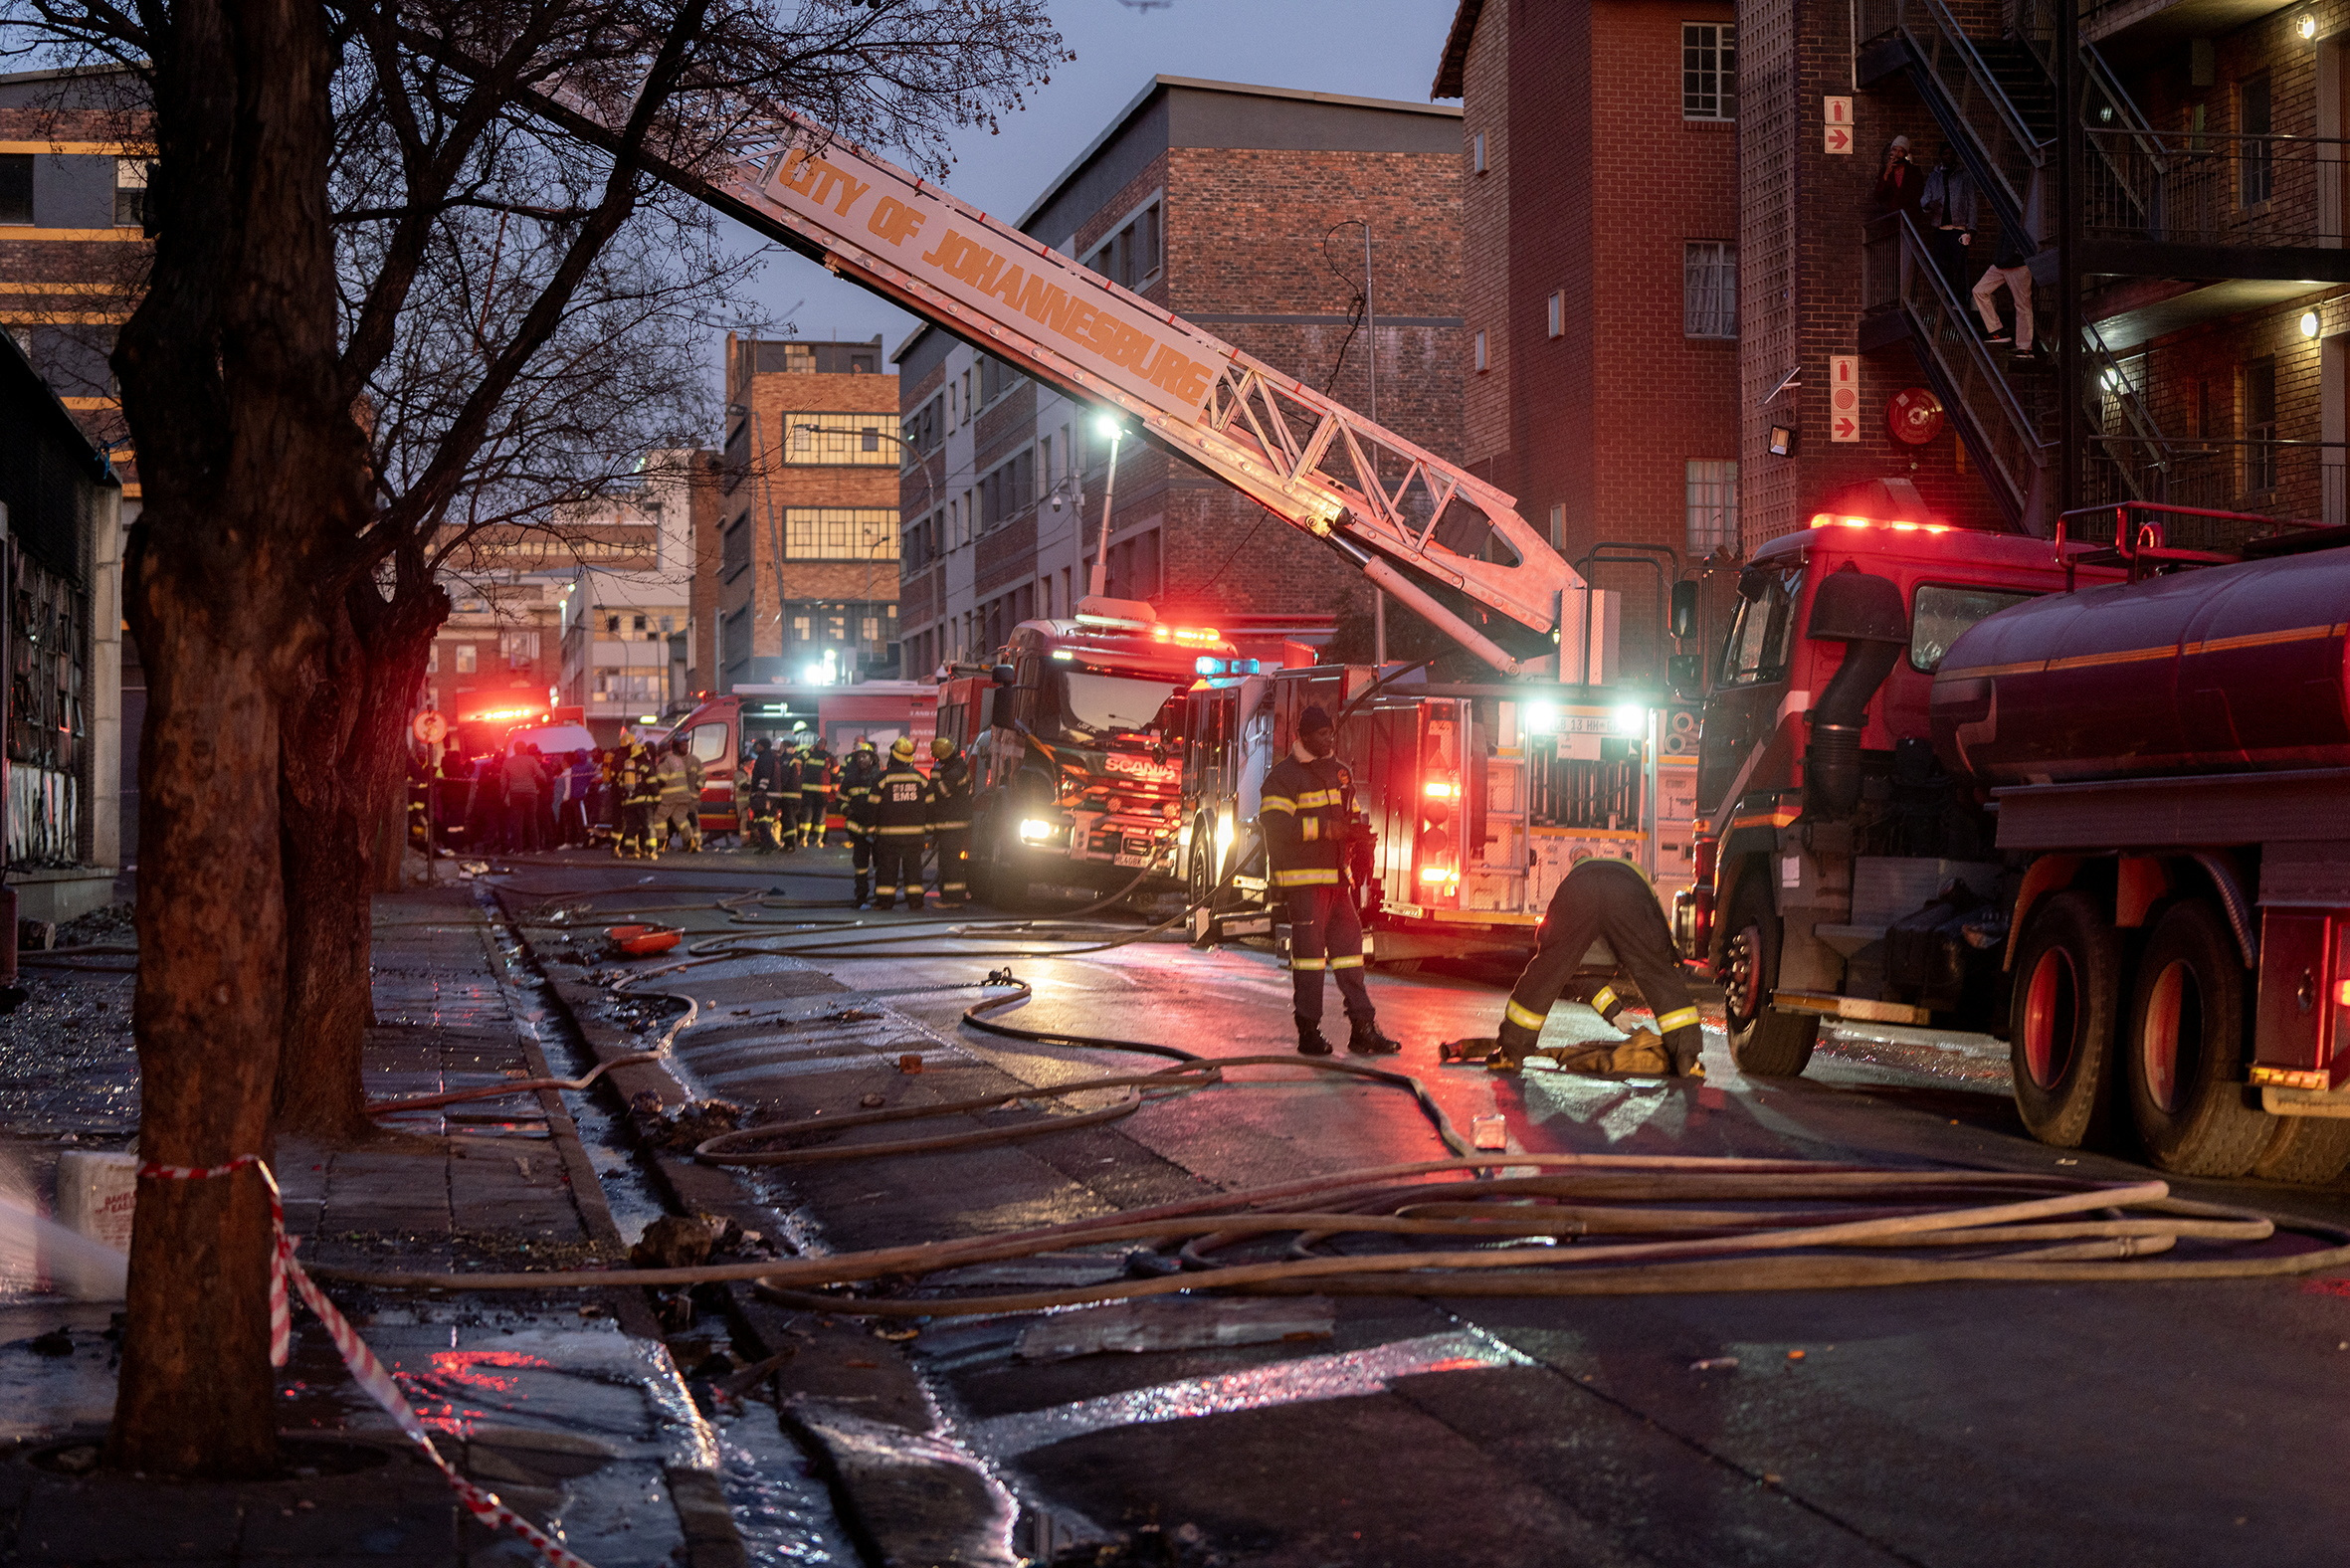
[1276, 803]
[1296, 962]
[1317, 797]
[1606, 999]
[1354, 961]
[1306, 876]
[1679, 1018]
[1523, 1016]
[901, 832]
[950, 826]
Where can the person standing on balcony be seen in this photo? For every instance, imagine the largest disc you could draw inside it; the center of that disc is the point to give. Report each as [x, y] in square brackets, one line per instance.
[1902, 185]
[1948, 206]
[2011, 268]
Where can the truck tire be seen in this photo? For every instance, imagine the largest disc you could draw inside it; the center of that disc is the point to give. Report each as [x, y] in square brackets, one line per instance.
[2067, 989]
[1199, 863]
[2183, 1055]
[2306, 1149]
[994, 881]
[1764, 1042]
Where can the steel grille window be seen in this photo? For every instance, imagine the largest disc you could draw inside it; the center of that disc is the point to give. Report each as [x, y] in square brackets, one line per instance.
[2257, 120]
[1712, 504]
[1709, 289]
[854, 439]
[840, 533]
[1709, 70]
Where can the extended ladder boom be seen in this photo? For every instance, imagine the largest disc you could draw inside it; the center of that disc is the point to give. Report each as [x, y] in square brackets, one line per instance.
[1377, 499]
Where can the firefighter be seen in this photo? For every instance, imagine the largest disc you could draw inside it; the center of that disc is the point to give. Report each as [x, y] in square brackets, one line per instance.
[759, 776]
[815, 781]
[1613, 902]
[858, 775]
[784, 796]
[1308, 818]
[950, 820]
[638, 777]
[681, 796]
[900, 817]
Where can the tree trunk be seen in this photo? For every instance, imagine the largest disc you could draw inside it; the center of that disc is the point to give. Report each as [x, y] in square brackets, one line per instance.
[253, 472]
[341, 773]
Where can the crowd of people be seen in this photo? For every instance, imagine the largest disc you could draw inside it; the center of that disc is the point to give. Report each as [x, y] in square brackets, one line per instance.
[645, 798]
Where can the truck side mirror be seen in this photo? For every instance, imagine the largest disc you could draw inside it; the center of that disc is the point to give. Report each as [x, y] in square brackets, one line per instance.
[999, 707]
[1001, 674]
[1685, 610]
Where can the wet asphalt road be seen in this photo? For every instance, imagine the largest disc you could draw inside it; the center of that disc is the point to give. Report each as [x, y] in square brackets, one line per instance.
[1946, 1425]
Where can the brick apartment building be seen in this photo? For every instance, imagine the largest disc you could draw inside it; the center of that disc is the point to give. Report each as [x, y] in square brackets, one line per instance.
[804, 576]
[1212, 200]
[1600, 247]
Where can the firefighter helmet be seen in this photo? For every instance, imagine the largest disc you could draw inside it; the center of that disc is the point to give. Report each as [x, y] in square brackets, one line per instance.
[901, 749]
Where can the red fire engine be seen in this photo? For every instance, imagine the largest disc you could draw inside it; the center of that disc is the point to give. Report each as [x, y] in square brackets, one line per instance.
[2088, 792]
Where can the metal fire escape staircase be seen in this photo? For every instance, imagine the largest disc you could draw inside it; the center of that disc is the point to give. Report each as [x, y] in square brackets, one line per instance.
[1995, 103]
[1432, 534]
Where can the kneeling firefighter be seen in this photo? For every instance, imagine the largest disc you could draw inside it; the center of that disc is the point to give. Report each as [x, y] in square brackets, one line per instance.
[1307, 817]
[1612, 901]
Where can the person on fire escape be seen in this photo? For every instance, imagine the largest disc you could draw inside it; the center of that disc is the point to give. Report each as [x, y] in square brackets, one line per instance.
[1307, 814]
[1613, 902]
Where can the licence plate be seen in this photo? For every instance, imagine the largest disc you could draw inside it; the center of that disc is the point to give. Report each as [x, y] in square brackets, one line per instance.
[1137, 860]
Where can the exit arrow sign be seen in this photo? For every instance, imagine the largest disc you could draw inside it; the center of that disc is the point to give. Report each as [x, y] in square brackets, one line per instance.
[1840, 140]
[1845, 428]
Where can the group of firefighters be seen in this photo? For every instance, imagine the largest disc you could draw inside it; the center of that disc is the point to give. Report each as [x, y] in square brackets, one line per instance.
[893, 813]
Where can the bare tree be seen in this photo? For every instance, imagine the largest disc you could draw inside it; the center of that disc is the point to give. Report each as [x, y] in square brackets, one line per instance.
[282, 593]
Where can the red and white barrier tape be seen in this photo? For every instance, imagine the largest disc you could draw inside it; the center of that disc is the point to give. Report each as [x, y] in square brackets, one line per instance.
[371, 1373]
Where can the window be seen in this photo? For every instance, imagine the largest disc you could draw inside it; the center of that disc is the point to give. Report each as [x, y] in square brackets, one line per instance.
[1712, 485]
[2260, 424]
[1131, 257]
[995, 379]
[432, 665]
[924, 429]
[467, 658]
[1557, 317]
[520, 649]
[840, 533]
[802, 628]
[1763, 631]
[1558, 525]
[853, 439]
[1476, 153]
[130, 193]
[1479, 350]
[1940, 614]
[734, 550]
[1709, 289]
[734, 638]
[16, 187]
[1709, 70]
[2255, 118]
[1008, 490]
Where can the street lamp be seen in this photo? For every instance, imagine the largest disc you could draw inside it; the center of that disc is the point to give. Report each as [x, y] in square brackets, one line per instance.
[1107, 425]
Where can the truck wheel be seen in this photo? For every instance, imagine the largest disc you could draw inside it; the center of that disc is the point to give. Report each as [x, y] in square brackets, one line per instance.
[1764, 1042]
[994, 879]
[2306, 1149]
[2068, 988]
[1200, 862]
[2184, 1053]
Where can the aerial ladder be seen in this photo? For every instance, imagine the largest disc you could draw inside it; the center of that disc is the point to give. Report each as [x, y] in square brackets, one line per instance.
[1419, 527]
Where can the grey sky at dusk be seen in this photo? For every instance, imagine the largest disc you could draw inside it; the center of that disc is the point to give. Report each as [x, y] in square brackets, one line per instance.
[1362, 48]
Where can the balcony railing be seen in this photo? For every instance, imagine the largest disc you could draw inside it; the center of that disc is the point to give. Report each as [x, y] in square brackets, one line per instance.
[2009, 151]
[2305, 481]
[2186, 187]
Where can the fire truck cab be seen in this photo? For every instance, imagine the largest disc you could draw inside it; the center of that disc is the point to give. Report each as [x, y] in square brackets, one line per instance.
[1075, 738]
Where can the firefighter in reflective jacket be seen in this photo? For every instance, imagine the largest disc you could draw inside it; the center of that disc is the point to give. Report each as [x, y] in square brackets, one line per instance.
[950, 820]
[638, 780]
[783, 800]
[759, 774]
[1306, 813]
[679, 807]
[816, 780]
[1613, 902]
[900, 817]
[858, 775]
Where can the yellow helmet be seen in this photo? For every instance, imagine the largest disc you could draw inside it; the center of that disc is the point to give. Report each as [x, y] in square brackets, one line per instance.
[902, 749]
[942, 749]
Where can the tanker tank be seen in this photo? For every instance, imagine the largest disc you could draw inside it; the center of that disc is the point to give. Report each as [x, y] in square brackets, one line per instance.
[2220, 669]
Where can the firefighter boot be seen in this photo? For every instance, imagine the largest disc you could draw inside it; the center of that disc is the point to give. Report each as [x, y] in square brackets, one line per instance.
[1366, 1041]
[1511, 1045]
[865, 890]
[1685, 1045]
[1309, 1036]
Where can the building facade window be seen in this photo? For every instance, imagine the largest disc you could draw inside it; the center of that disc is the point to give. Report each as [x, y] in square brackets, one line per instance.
[836, 439]
[735, 548]
[130, 193]
[1478, 350]
[734, 638]
[1709, 70]
[1555, 320]
[1709, 289]
[1008, 489]
[2255, 117]
[840, 533]
[1712, 485]
[467, 658]
[1476, 153]
[16, 187]
[1132, 256]
[1558, 525]
[2259, 426]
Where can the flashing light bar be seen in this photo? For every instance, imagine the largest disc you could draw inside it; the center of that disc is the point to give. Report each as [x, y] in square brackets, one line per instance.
[1824, 521]
[502, 713]
[1439, 789]
[1437, 873]
[1210, 665]
[1194, 634]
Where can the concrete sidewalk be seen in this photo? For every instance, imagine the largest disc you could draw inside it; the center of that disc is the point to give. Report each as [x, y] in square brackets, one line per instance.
[571, 1407]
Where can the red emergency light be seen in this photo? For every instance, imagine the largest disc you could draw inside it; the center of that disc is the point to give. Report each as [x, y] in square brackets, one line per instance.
[491, 714]
[1193, 635]
[1825, 521]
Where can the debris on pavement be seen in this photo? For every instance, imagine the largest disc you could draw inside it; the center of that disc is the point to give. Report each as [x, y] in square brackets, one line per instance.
[1714, 1364]
[1137, 1326]
[685, 1126]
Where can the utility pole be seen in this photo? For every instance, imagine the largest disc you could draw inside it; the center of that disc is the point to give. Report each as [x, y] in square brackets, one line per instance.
[1099, 587]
